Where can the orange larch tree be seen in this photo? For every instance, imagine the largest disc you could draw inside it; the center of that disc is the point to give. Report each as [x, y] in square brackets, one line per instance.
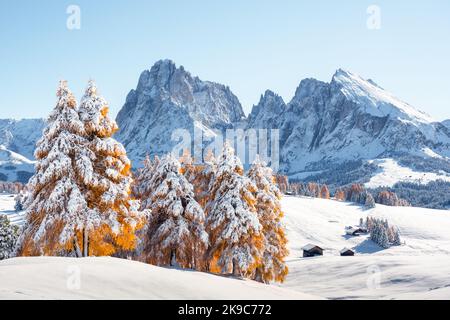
[108, 186]
[174, 233]
[268, 207]
[232, 222]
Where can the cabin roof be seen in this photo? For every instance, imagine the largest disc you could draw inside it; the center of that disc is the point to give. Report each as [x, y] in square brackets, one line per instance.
[310, 246]
[345, 250]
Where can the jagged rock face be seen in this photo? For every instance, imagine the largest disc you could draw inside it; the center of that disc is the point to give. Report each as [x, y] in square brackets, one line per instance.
[446, 123]
[347, 119]
[266, 113]
[169, 98]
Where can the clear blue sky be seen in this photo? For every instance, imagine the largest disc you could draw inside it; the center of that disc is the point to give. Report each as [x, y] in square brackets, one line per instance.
[249, 45]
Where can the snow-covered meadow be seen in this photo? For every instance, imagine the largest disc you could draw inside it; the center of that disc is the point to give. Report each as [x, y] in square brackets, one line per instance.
[418, 269]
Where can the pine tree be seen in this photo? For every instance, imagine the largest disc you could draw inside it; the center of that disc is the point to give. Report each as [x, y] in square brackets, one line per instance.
[175, 232]
[268, 207]
[108, 182]
[232, 222]
[19, 202]
[56, 208]
[8, 237]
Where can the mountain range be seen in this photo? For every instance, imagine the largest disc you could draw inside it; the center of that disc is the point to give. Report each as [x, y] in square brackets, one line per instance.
[342, 131]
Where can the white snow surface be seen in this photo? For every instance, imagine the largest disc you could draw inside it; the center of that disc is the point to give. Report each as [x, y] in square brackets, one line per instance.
[7, 202]
[419, 269]
[376, 100]
[391, 173]
[113, 278]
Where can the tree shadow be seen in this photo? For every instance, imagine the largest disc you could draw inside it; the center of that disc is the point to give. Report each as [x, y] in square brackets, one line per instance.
[368, 246]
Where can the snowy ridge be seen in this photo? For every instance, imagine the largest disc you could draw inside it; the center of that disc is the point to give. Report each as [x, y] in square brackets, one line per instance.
[375, 100]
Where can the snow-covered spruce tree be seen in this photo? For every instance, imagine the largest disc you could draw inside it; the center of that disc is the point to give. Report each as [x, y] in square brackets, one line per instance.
[19, 202]
[108, 182]
[175, 233]
[8, 237]
[268, 207]
[56, 208]
[232, 222]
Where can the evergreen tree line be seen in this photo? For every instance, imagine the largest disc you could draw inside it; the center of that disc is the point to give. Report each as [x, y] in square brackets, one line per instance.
[212, 216]
[82, 201]
[310, 189]
[382, 233]
[433, 195]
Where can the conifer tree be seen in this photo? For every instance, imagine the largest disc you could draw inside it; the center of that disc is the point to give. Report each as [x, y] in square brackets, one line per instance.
[268, 207]
[57, 211]
[108, 184]
[232, 222]
[8, 237]
[175, 232]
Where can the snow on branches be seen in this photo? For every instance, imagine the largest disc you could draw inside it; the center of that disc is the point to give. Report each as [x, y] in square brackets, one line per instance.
[382, 233]
[56, 207]
[80, 189]
[232, 221]
[108, 185]
[268, 207]
[175, 233]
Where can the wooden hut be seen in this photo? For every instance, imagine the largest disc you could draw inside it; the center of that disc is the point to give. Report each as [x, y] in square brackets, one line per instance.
[311, 250]
[346, 252]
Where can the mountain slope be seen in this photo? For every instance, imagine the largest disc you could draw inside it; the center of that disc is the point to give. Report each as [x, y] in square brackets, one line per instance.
[20, 136]
[351, 119]
[14, 167]
[17, 142]
[169, 98]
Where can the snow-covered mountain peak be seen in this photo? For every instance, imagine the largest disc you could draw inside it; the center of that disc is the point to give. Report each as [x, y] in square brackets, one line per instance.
[374, 99]
[167, 98]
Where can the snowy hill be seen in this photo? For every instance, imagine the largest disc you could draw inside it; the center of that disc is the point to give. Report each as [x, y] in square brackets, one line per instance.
[112, 278]
[14, 167]
[417, 270]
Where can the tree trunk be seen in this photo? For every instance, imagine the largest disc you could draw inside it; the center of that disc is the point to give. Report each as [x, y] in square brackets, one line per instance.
[172, 258]
[236, 271]
[85, 243]
[77, 247]
[258, 275]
